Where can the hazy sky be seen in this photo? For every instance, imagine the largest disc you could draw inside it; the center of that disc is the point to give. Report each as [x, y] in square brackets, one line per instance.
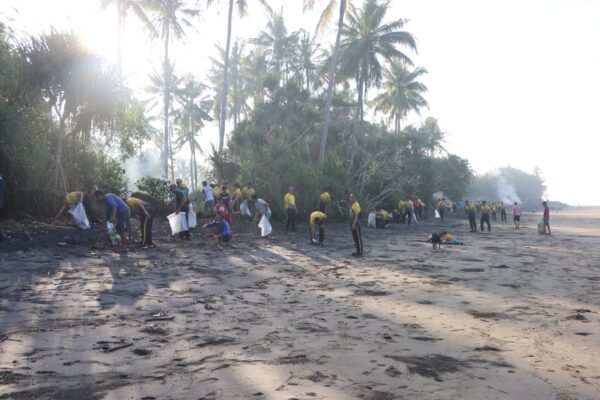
[511, 82]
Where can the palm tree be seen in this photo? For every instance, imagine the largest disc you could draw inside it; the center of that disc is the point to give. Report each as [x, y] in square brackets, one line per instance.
[123, 8]
[434, 137]
[306, 60]
[171, 17]
[403, 93]
[277, 44]
[323, 21]
[367, 40]
[242, 10]
[194, 111]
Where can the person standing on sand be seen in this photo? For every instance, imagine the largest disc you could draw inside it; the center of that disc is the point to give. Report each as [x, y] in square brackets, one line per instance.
[262, 208]
[494, 207]
[441, 207]
[503, 212]
[471, 211]
[324, 200]
[117, 212]
[237, 197]
[355, 212]
[317, 218]
[146, 215]
[517, 215]
[486, 209]
[289, 205]
[181, 206]
[546, 217]
[209, 199]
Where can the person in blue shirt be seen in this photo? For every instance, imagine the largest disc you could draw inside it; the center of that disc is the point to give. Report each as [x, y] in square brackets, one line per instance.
[223, 231]
[117, 212]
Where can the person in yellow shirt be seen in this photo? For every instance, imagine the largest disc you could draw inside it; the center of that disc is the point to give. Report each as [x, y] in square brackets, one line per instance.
[324, 200]
[72, 199]
[237, 197]
[146, 214]
[355, 212]
[502, 208]
[216, 190]
[486, 209]
[493, 208]
[289, 204]
[317, 218]
[471, 212]
[247, 193]
[382, 218]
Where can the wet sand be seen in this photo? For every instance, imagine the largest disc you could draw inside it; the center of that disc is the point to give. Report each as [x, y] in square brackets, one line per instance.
[509, 315]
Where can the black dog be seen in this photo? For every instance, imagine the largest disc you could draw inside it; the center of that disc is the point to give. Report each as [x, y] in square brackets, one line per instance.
[436, 241]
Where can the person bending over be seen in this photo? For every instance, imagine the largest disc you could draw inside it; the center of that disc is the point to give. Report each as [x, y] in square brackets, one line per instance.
[117, 212]
[317, 219]
[222, 231]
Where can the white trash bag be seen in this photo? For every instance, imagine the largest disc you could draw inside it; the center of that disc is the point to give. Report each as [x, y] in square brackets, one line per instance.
[245, 209]
[192, 220]
[541, 229]
[437, 214]
[78, 213]
[178, 223]
[265, 226]
[371, 219]
[414, 217]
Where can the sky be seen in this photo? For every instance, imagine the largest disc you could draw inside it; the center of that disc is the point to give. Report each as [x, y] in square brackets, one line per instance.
[511, 82]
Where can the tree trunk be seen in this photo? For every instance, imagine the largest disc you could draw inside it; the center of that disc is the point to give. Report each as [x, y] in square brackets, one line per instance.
[120, 26]
[331, 84]
[223, 110]
[236, 99]
[167, 82]
[397, 123]
[360, 89]
[171, 155]
[61, 179]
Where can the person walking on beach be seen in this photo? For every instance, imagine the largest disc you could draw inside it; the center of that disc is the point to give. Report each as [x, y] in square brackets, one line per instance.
[546, 217]
[355, 212]
[317, 219]
[289, 204]
[517, 215]
[486, 209]
[181, 205]
[117, 212]
[146, 214]
[471, 211]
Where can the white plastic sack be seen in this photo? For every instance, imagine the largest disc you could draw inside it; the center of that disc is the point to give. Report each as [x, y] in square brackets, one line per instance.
[541, 227]
[78, 213]
[245, 209]
[265, 226]
[437, 214]
[371, 219]
[178, 223]
[192, 220]
[414, 217]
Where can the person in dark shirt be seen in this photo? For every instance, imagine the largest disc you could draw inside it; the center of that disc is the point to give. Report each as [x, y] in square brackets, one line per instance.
[181, 205]
[546, 217]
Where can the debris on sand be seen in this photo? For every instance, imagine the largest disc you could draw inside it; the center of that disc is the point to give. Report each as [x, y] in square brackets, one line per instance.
[431, 366]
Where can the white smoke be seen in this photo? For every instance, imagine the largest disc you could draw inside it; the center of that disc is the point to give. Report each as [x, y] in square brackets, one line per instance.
[506, 192]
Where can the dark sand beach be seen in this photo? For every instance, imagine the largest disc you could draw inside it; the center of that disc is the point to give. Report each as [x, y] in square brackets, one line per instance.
[509, 315]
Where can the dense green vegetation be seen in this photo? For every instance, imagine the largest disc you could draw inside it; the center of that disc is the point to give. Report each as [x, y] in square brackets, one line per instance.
[290, 110]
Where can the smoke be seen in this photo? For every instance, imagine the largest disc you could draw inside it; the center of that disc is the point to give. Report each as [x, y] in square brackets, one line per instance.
[145, 164]
[506, 192]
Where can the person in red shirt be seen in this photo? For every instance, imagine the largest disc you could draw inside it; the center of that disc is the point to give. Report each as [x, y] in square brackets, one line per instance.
[546, 217]
[221, 210]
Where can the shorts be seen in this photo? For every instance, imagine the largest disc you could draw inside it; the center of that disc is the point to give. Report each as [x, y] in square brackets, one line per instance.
[122, 225]
[517, 218]
[546, 222]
